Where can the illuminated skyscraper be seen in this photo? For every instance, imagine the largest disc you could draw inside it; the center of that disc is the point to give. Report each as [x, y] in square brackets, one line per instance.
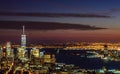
[105, 50]
[1, 52]
[8, 49]
[9, 53]
[23, 39]
[35, 52]
[21, 53]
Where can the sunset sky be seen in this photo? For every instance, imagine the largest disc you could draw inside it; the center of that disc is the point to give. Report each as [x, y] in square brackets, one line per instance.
[60, 20]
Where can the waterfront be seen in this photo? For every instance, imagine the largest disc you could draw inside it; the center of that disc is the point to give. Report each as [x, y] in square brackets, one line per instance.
[66, 56]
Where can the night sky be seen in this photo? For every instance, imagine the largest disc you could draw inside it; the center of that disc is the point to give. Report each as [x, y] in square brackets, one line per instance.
[60, 20]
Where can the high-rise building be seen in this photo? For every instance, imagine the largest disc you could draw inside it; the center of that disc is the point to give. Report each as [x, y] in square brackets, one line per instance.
[105, 50]
[1, 52]
[9, 54]
[4, 61]
[21, 53]
[49, 58]
[8, 49]
[35, 52]
[23, 39]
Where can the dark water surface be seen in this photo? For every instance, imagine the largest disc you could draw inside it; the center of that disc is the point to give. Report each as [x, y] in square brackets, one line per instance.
[66, 56]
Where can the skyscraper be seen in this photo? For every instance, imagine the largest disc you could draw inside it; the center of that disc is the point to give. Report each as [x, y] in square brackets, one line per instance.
[105, 50]
[9, 54]
[23, 39]
[1, 52]
[8, 49]
[22, 51]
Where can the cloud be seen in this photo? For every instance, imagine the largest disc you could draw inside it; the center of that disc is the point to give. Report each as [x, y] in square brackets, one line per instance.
[113, 10]
[45, 26]
[55, 15]
[110, 11]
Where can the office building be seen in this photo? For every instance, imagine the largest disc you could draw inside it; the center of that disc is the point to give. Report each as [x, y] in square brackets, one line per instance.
[23, 39]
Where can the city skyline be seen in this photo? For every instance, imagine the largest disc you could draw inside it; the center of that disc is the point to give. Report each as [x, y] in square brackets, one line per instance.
[70, 20]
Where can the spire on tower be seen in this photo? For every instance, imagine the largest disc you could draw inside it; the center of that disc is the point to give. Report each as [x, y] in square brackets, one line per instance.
[23, 29]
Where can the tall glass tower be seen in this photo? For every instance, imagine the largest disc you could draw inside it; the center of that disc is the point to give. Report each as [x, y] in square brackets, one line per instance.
[23, 39]
[8, 48]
